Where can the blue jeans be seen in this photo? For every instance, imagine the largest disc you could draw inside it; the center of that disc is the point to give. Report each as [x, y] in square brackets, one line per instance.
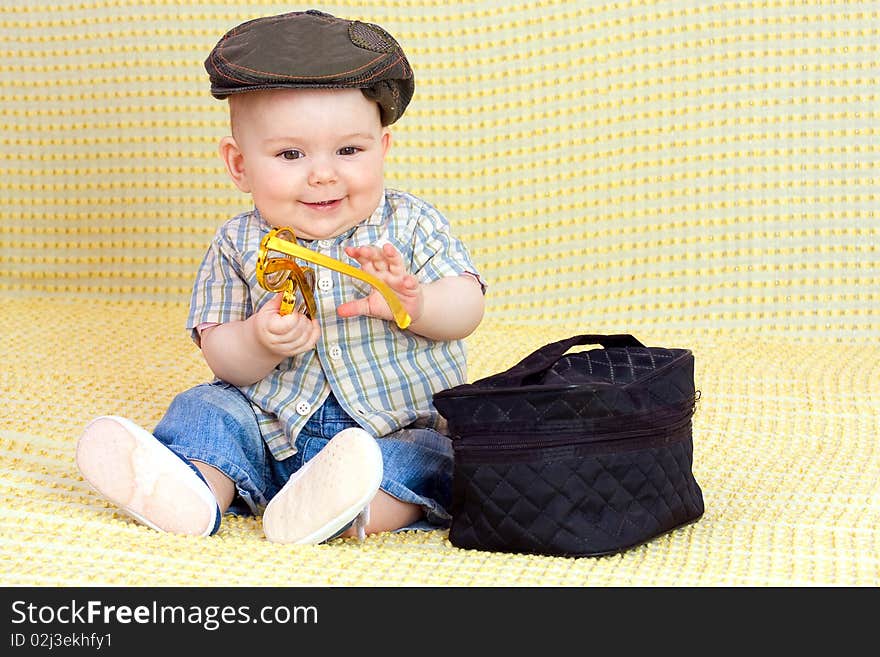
[215, 424]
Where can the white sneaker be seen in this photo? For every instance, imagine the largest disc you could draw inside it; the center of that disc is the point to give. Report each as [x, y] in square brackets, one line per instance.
[144, 478]
[326, 494]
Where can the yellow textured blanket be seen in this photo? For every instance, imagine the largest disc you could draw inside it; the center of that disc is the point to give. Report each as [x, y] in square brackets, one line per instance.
[785, 443]
[700, 174]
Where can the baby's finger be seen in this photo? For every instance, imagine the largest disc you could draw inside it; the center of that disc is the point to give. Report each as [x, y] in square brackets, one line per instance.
[363, 254]
[301, 340]
[354, 308]
[393, 260]
[273, 304]
[308, 338]
[283, 326]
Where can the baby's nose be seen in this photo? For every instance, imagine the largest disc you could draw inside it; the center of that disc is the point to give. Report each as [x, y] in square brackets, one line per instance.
[322, 172]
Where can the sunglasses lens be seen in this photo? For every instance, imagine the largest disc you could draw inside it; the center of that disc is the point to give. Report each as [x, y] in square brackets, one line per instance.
[298, 299]
[276, 275]
[305, 301]
[278, 265]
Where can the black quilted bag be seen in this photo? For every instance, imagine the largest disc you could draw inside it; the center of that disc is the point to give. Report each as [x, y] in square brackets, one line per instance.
[577, 454]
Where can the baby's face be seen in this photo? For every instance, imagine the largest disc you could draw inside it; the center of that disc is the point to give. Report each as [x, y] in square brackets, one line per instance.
[312, 159]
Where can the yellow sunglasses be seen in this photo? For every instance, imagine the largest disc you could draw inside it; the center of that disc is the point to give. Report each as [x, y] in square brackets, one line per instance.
[277, 272]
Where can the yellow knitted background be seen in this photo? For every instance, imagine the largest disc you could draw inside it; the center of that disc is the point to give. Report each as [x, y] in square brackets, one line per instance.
[688, 164]
[700, 174]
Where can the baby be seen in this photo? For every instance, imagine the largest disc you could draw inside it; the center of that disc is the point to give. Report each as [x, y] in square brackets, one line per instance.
[325, 424]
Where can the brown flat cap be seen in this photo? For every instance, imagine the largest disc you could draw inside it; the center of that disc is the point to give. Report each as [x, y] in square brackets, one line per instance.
[312, 49]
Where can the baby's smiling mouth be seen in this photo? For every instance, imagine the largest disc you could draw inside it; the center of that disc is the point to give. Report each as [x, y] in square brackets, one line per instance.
[322, 204]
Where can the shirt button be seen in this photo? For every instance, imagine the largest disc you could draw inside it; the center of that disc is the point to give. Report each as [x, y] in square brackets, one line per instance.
[325, 283]
[335, 351]
[303, 408]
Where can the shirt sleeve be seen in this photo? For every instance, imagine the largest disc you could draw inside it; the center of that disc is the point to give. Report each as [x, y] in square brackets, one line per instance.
[436, 252]
[220, 293]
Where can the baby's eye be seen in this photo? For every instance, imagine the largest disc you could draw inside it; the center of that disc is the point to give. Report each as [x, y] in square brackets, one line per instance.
[349, 150]
[291, 155]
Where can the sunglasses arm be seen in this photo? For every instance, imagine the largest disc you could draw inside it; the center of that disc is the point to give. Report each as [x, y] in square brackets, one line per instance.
[401, 317]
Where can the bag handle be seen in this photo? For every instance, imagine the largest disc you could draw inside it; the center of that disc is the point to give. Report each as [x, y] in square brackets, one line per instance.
[544, 357]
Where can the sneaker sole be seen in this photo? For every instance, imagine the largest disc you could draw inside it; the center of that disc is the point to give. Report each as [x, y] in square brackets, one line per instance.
[131, 468]
[326, 493]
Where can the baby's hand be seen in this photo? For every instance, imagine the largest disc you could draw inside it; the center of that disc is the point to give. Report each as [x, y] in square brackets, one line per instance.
[385, 264]
[284, 335]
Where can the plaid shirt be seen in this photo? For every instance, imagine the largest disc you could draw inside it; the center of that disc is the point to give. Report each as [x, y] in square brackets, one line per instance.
[383, 377]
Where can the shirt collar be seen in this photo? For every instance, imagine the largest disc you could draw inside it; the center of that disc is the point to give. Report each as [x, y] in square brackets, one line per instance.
[378, 216]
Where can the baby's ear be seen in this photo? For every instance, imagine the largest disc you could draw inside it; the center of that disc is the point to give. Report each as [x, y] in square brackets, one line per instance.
[386, 140]
[233, 158]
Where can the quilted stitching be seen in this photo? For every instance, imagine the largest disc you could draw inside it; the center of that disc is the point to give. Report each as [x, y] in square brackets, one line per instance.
[614, 382]
[577, 506]
[615, 365]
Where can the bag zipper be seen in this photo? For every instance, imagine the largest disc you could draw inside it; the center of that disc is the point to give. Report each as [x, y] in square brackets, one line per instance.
[620, 440]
